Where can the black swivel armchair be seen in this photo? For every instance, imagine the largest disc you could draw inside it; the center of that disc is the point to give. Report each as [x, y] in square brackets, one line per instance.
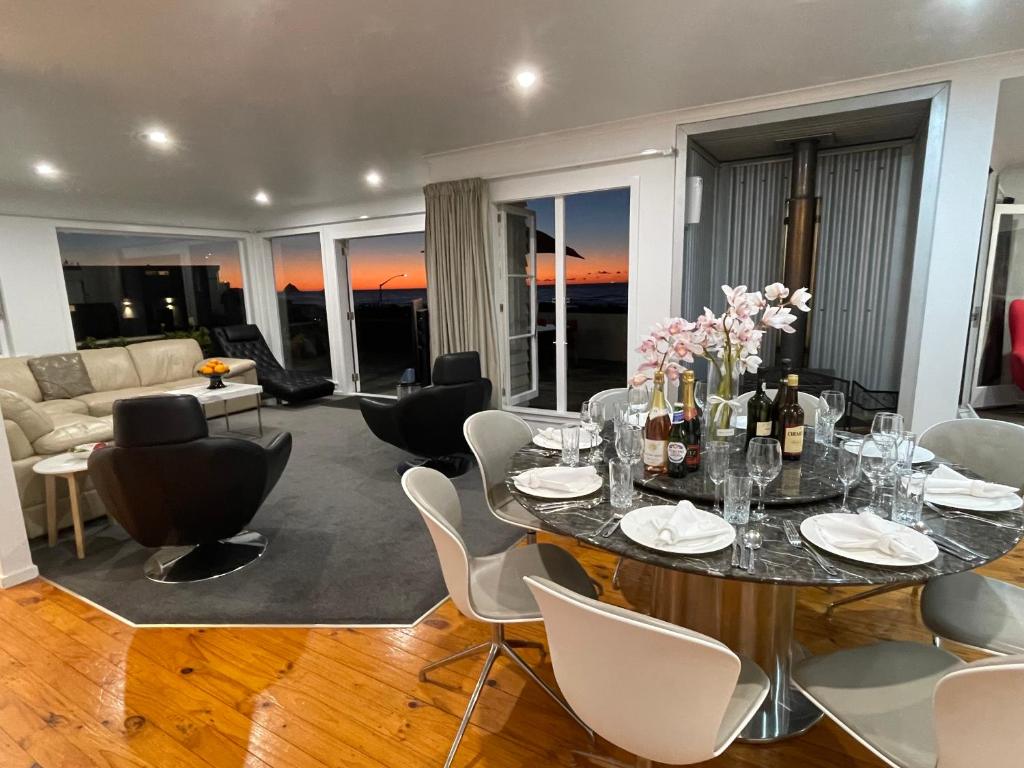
[169, 484]
[246, 341]
[428, 423]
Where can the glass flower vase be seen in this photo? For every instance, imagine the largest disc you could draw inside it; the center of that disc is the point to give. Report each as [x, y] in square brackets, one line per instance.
[721, 410]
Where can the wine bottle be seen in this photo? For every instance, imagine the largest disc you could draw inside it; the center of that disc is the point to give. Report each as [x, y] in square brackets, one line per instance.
[791, 421]
[657, 428]
[684, 441]
[780, 400]
[759, 413]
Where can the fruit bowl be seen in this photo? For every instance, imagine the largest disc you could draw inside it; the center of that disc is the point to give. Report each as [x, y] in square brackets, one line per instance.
[214, 370]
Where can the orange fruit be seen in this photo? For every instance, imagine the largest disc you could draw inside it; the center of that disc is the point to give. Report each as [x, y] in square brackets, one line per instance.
[220, 368]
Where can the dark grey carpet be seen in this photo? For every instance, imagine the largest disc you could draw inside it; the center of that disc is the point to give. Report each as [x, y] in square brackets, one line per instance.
[346, 546]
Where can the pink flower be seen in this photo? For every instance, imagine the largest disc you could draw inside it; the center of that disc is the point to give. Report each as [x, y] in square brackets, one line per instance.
[673, 371]
[776, 291]
[639, 380]
[780, 318]
[800, 298]
[735, 296]
[647, 345]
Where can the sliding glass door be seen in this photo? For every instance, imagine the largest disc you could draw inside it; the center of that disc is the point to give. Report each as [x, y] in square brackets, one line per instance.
[566, 280]
[301, 303]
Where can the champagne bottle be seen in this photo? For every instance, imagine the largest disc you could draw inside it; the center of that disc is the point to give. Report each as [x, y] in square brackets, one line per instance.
[759, 413]
[780, 399]
[791, 422]
[657, 429]
[684, 440]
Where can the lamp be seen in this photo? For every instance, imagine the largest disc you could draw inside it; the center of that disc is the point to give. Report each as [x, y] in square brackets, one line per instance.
[380, 288]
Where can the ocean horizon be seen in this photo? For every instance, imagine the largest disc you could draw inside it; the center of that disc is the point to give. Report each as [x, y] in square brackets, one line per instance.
[577, 295]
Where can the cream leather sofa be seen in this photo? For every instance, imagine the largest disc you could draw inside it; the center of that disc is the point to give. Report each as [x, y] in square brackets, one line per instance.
[37, 428]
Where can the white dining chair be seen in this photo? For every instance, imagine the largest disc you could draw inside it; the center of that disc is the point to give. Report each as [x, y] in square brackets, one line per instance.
[660, 691]
[994, 449]
[807, 401]
[488, 589]
[494, 436]
[609, 398]
[917, 706]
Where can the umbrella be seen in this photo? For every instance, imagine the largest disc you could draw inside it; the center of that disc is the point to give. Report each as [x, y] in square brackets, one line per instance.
[546, 244]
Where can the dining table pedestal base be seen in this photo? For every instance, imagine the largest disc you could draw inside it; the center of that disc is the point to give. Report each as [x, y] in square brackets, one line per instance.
[754, 620]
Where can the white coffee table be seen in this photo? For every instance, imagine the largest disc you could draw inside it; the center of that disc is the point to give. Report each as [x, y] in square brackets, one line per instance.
[230, 391]
[68, 466]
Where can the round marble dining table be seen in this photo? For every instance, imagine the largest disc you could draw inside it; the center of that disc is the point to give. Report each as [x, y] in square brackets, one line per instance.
[753, 612]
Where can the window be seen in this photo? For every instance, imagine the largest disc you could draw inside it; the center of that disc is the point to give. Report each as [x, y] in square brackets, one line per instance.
[299, 282]
[147, 286]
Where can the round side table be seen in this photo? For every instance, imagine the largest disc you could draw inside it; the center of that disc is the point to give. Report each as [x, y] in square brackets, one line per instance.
[68, 466]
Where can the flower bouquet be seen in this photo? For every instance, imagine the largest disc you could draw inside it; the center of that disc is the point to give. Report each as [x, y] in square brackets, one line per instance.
[730, 342]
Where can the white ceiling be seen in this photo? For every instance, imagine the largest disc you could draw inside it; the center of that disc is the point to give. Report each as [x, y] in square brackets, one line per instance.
[301, 97]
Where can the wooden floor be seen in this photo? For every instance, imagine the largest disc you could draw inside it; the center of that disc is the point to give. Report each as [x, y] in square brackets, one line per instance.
[79, 688]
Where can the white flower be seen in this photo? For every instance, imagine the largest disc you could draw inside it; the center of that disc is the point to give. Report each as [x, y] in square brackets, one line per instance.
[776, 291]
[780, 318]
[750, 363]
[735, 296]
[800, 298]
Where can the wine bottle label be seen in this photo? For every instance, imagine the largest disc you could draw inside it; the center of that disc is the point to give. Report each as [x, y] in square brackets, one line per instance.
[676, 452]
[726, 432]
[764, 429]
[655, 452]
[693, 455]
[794, 440]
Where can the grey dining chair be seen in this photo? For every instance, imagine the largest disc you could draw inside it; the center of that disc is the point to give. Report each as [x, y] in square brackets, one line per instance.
[995, 450]
[660, 691]
[488, 589]
[494, 436]
[968, 608]
[917, 706]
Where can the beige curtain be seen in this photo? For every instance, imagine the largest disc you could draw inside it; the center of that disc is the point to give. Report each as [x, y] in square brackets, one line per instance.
[460, 275]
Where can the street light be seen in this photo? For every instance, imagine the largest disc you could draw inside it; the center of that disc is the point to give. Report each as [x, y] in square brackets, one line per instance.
[380, 288]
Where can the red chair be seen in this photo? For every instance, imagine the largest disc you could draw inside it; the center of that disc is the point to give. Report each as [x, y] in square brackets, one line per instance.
[1017, 341]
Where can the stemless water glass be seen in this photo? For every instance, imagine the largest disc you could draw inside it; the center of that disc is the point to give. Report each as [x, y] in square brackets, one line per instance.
[737, 498]
[877, 459]
[620, 483]
[716, 461]
[629, 443]
[639, 402]
[906, 444]
[847, 466]
[570, 445]
[590, 424]
[764, 462]
[909, 497]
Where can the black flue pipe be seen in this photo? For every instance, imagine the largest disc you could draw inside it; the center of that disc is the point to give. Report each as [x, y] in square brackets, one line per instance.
[800, 242]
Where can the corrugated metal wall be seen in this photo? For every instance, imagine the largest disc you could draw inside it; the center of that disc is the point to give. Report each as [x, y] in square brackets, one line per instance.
[863, 266]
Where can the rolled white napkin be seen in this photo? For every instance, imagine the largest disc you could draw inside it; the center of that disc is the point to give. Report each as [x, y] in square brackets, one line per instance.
[865, 532]
[686, 524]
[553, 434]
[947, 480]
[562, 479]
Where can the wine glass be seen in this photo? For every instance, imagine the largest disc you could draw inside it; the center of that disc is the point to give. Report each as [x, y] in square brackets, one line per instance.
[700, 393]
[716, 460]
[877, 461]
[887, 427]
[847, 466]
[764, 462]
[629, 443]
[639, 402]
[831, 407]
[590, 424]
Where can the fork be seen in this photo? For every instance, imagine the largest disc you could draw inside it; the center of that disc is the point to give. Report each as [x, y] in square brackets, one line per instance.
[609, 527]
[956, 514]
[793, 537]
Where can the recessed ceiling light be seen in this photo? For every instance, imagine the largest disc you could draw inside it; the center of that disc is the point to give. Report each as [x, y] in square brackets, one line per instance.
[48, 170]
[364, 216]
[262, 198]
[374, 179]
[526, 79]
[158, 137]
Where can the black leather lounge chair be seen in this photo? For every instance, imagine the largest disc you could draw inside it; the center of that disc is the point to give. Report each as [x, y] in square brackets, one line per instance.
[246, 341]
[169, 484]
[428, 423]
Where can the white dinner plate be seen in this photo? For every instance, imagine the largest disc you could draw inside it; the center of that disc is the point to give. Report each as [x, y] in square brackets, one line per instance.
[556, 445]
[923, 547]
[1006, 503]
[642, 525]
[549, 493]
[921, 455]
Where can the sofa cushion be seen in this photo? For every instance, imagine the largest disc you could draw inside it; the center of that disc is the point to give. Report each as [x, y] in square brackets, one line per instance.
[34, 422]
[71, 429]
[63, 406]
[18, 444]
[61, 376]
[166, 360]
[110, 368]
[16, 376]
[102, 403]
